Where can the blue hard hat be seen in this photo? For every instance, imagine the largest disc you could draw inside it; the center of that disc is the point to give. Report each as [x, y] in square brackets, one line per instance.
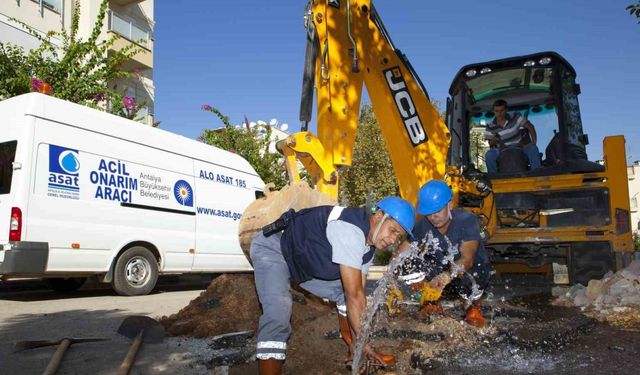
[433, 196]
[399, 210]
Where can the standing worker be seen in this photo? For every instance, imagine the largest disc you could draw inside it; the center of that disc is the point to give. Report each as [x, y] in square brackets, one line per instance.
[469, 266]
[327, 251]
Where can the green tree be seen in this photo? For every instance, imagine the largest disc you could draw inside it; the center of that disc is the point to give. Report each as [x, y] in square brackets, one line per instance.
[80, 71]
[477, 148]
[636, 241]
[634, 10]
[248, 143]
[371, 175]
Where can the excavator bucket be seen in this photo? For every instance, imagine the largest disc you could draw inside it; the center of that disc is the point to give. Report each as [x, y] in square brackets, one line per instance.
[267, 209]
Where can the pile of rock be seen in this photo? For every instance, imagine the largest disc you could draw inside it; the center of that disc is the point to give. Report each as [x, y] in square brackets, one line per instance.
[613, 293]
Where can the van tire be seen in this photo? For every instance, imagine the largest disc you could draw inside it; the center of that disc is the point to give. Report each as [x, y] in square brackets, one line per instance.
[136, 272]
[65, 284]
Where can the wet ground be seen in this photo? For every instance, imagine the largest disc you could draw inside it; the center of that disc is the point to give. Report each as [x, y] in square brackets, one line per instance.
[526, 335]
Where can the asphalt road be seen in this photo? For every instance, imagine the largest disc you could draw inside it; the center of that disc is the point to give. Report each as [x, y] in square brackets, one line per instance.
[30, 312]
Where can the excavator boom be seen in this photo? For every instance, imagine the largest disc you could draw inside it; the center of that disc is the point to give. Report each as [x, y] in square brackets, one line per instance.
[348, 47]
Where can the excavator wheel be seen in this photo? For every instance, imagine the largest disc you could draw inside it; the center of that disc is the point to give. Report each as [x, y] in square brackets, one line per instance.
[267, 209]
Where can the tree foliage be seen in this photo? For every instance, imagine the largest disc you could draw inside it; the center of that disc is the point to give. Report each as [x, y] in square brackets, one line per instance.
[636, 241]
[371, 175]
[80, 71]
[634, 10]
[249, 143]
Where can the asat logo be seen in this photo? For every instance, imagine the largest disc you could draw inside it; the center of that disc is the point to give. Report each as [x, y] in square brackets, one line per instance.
[64, 165]
[183, 193]
[63, 160]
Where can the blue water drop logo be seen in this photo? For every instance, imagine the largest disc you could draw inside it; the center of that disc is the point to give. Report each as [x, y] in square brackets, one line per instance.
[69, 162]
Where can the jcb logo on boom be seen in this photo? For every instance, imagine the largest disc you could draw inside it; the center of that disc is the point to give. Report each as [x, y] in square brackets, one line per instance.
[405, 106]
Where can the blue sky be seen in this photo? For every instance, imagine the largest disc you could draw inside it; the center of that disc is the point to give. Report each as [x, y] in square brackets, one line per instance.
[245, 57]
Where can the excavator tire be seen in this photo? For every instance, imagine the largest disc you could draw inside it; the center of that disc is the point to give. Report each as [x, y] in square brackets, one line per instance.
[267, 209]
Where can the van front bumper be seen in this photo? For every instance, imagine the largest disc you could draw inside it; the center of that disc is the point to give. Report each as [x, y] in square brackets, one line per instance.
[24, 258]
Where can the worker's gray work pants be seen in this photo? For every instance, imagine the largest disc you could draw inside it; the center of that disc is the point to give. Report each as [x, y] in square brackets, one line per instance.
[272, 283]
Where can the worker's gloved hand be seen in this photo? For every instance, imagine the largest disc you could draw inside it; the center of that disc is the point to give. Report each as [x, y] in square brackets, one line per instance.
[377, 358]
[393, 301]
[416, 287]
[429, 294]
[441, 281]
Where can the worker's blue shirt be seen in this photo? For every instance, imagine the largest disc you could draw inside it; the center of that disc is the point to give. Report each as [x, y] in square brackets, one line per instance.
[463, 227]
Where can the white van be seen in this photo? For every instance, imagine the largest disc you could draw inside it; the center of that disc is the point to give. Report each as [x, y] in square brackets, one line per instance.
[83, 192]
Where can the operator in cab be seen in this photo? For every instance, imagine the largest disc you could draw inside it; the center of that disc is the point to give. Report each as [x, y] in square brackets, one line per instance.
[456, 261]
[510, 131]
[325, 250]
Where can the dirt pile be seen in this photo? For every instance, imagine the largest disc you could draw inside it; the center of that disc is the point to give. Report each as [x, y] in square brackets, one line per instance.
[230, 304]
[614, 298]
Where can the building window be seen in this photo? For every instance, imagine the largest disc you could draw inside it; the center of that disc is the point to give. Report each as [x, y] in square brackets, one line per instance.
[54, 5]
[634, 203]
[128, 29]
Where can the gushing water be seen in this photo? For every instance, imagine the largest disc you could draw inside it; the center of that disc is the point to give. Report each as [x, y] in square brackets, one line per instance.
[388, 281]
[378, 297]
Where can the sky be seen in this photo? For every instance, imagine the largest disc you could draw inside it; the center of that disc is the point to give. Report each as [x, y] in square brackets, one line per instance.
[246, 57]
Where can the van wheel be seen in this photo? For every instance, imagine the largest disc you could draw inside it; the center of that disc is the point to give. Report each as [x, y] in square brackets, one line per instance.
[65, 284]
[136, 272]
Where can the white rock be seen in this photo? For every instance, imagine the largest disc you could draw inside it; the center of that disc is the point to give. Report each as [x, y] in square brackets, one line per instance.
[610, 300]
[575, 289]
[581, 300]
[599, 300]
[595, 289]
[620, 287]
[630, 300]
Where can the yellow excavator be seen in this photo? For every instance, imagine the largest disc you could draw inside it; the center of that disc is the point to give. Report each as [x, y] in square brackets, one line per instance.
[570, 213]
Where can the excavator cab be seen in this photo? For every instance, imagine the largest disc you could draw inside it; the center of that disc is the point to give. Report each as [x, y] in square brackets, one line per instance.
[568, 216]
[542, 89]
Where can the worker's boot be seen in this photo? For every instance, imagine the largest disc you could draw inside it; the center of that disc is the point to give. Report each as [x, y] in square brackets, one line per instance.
[432, 307]
[474, 315]
[270, 367]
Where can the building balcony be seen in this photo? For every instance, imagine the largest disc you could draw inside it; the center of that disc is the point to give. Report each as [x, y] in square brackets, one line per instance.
[131, 33]
[125, 2]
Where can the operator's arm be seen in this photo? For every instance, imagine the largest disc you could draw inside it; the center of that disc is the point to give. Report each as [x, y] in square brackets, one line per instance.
[532, 131]
[491, 138]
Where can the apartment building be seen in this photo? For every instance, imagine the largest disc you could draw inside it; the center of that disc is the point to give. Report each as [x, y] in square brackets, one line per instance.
[132, 20]
[633, 174]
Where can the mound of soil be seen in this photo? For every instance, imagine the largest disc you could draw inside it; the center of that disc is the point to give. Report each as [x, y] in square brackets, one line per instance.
[230, 304]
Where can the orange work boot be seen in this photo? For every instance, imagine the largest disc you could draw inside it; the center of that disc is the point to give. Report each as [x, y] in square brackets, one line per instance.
[474, 316]
[270, 367]
[432, 307]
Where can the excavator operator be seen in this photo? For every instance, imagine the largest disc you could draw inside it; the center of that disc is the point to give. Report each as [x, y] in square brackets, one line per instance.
[327, 251]
[465, 271]
[507, 131]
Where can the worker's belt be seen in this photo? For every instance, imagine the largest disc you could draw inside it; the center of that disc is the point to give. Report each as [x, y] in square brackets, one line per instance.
[279, 225]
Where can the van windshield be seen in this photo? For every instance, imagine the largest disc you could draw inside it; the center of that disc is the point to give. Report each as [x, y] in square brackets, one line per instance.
[7, 155]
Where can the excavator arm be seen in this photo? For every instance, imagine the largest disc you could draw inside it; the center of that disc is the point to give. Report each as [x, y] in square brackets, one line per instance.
[348, 47]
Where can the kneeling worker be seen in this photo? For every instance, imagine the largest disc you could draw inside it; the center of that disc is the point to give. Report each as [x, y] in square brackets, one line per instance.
[461, 228]
[327, 251]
